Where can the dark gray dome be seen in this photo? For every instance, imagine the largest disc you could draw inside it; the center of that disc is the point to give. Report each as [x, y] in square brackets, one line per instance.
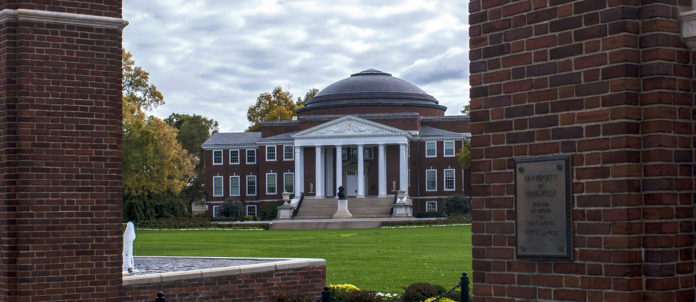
[371, 88]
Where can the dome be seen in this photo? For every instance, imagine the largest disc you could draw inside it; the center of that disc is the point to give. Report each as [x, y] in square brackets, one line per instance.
[371, 91]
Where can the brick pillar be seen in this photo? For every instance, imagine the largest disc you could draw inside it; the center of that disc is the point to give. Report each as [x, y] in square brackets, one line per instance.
[60, 130]
[611, 85]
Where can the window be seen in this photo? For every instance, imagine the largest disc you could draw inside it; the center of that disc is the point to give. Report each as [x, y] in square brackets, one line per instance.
[270, 153]
[234, 185]
[344, 153]
[430, 149]
[251, 185]
[217, 186]
[289, 182]
[217, 211]
[251, 210]
[251, 156]
[431, 206]
[288, 153]
[271, 181]
[234, 156]
[448, 149]
[449, 179]
[368, 153]
[431, 180]
[217, 157]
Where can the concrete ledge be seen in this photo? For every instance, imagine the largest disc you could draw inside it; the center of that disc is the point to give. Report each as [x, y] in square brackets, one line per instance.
[277, 264]
[62, 18]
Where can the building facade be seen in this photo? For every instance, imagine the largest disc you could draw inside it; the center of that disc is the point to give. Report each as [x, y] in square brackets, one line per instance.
[371, 133]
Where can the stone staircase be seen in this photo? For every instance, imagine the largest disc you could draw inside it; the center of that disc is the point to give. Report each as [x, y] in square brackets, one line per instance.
[324, 208]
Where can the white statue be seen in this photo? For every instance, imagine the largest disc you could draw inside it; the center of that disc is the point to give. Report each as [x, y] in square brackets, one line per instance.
[128, 238]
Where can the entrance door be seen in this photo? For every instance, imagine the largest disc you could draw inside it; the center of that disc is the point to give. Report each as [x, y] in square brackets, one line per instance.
[351, 182]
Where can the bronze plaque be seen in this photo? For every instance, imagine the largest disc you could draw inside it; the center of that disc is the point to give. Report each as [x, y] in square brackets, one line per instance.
[542, 205]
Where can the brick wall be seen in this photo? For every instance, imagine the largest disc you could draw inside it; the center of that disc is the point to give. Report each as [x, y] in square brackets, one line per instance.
[61, 158]
[610, 84]
[262, 286]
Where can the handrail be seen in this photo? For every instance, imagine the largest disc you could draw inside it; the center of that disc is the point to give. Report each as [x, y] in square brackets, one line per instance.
[396, 197]
[299, 203]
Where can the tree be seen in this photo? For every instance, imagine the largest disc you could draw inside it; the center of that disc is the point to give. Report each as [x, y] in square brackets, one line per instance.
[193, 131]
[464, 156]
[155, 166]
[466, 110]
[309, 95]
[136, 87]
[275, 106]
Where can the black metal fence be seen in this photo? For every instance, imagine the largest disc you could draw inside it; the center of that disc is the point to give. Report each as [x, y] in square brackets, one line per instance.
[463, 284]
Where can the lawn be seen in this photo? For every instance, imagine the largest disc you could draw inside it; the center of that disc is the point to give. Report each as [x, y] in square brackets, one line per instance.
[385, 260]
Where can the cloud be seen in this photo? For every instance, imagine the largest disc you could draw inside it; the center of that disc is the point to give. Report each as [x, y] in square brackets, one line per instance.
[214, 58]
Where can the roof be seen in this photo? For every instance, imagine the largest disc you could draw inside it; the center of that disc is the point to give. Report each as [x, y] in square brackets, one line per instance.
[431, 133]
[234, 139]
[371, 88]
[284, 138]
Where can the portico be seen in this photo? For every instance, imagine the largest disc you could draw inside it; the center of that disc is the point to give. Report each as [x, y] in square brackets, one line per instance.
[340, 150]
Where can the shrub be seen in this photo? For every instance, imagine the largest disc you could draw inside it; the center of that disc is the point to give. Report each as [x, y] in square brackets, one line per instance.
[441, 300]
[232, 208]
[460, 204]
[429, 215]
[363, 296]
[269, 210]
[417, 292]
[341, 291]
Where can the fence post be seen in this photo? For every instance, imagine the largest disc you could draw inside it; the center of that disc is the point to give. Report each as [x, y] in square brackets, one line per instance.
[160, 297]
[465, 287]
[326, 295]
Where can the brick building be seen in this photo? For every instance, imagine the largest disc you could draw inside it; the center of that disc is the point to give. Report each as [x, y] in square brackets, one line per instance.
[371, 133]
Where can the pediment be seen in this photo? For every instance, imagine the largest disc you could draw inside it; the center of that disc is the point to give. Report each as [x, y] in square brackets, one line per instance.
[349, 126]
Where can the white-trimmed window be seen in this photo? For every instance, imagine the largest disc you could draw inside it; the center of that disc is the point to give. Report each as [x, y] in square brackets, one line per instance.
[448, 149]
[217, 211]
[270, 153]
[234, 157]
[251, 185]
[251, 156]
[217, 157]
[234, 186]
[289, 182]
[431, 206]
[430, 149]
[449, 179]
[288, 152]
[251, 210]
[369, 153]
[217, 186]
[271, 183]
[431, 180]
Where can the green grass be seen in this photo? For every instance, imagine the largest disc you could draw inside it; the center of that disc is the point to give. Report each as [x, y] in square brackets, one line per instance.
[385, 260]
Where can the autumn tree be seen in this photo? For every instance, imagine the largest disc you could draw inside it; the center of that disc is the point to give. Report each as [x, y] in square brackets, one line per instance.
[155, 166]
[464, 156]
[277, 105]
[193, 131]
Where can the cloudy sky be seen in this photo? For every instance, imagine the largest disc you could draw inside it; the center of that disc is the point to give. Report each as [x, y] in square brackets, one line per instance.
[214, 57]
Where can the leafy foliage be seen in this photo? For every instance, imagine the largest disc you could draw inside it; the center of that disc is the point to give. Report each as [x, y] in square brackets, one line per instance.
[269, 210]
[464, 156]
[420, 291]
[232, 208]
[275, 106]
[363, 296]
[192, 132]
[155, 166]
[341, 291]
[460, 204]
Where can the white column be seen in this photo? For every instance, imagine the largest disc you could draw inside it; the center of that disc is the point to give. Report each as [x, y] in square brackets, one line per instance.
[319, 172]
[298, 171]
[382, 171]
[361, 172]
[302, 167]
[339, 167]
[403, 168]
